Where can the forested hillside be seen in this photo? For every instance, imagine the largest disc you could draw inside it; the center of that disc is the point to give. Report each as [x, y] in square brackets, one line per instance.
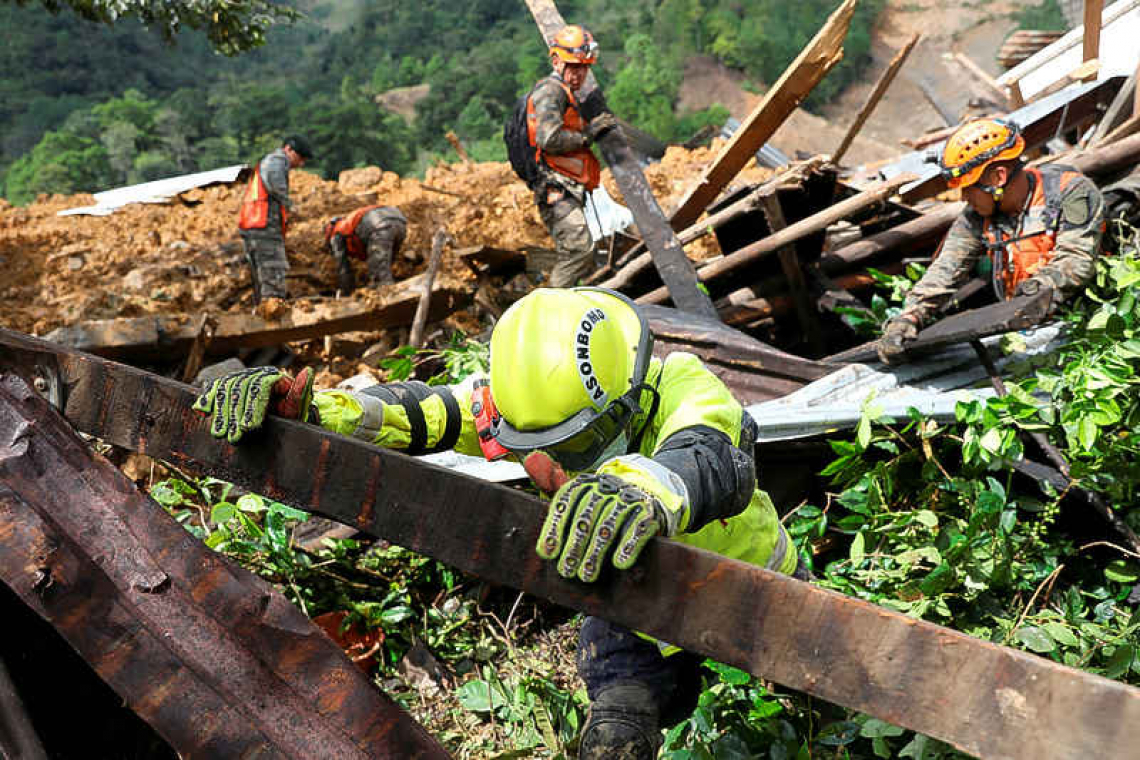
[86, 107]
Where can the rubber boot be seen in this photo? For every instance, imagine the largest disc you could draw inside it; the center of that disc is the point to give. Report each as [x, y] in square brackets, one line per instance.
[622, 725]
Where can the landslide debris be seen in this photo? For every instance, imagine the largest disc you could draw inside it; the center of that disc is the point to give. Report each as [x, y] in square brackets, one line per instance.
[186, 256]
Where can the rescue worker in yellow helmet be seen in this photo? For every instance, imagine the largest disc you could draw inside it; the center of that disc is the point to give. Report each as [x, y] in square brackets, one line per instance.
[561, 131]
[655, 447]
[1027, 229]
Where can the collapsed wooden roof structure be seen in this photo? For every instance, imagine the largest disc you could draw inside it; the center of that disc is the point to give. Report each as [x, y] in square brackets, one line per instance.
[185, 637]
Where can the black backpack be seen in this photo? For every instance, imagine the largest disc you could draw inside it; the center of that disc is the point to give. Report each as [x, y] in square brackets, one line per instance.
[519, 150]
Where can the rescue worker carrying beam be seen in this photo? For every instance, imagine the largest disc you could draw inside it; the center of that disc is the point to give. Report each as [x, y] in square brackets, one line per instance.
[655, 447]
[371, 233]
[561, 131]
[264, 217]
[1033, 229]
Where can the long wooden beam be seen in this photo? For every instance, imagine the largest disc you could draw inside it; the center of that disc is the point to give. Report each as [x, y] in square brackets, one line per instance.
[790, 234]
[164, 336]
[675, 269]
[1001, 317]
[985, 699]
[796, 83]
[213, 657]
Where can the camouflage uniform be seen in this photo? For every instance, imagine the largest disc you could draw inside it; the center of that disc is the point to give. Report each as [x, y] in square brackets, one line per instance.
[382, 231]
[964, 250]
[265, 248]
[561, 201]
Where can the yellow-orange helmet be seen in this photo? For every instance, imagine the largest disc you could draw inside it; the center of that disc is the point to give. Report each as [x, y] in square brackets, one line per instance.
[976, 145]
[574, 44]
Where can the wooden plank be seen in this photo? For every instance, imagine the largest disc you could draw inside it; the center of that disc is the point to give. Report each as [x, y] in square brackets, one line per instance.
[1015, 314]
[416, 335]
[1086, 71]
[984, 699]
[805, 311]
[214, 658]
[877, 93]
[159, 336]
[1091, 45]
[790, 234]
[979, 74]
[675, 269]
[798, 80]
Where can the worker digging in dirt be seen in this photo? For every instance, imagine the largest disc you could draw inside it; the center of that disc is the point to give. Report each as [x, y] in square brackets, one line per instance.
[1027, 229]
[653, 447]
[264, 217]
[559, 132]
[371, 233]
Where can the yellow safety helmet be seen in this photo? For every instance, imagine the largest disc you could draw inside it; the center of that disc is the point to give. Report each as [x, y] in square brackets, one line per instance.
[567, 372]
[976, 145]
[574, 44]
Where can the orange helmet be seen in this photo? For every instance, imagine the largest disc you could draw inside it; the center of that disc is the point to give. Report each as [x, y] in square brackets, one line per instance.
[976, 145]
[574, 44]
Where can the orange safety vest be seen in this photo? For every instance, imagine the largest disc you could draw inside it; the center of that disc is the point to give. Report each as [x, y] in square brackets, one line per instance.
[254, 214]
[346, 228]
[1018, 257]
[579, 165]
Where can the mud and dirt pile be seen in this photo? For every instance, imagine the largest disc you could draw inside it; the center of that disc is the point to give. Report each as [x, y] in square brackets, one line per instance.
[186, 257]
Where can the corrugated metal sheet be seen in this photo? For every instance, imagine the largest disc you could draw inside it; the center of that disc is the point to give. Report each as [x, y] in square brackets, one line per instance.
[158, 191]
[932, 385]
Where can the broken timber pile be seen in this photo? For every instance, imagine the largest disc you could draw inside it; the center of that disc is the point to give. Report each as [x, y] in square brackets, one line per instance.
[137, 338]
[985, 699]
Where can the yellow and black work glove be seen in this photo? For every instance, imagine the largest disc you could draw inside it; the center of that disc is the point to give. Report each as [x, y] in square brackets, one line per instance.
[238, 402]
[592, 516]
[892, 346]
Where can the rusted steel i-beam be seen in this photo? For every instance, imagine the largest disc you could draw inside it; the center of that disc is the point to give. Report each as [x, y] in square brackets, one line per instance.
[216, 660]
[674, 267]
[985, 699]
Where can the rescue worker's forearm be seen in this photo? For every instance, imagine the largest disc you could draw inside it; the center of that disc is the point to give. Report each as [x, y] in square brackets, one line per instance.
[720, 477]
[959, 254]
[549, 134]
[414, 418]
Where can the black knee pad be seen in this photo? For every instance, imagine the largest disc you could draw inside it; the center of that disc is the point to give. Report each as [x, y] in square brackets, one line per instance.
[622, 726]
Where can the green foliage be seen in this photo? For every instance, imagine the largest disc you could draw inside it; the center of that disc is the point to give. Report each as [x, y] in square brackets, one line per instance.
[1045, 16]
[194, 110]
[232, 26]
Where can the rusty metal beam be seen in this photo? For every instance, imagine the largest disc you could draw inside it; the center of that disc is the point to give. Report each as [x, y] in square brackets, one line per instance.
[216, 660]
[985, 699]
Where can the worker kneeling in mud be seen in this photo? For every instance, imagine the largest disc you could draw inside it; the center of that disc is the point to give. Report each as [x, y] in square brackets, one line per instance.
[1027, 229]
[373, 234]
[653, 448]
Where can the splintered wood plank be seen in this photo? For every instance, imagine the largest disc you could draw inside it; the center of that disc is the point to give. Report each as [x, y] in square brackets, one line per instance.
[796, 83]
[984, 699]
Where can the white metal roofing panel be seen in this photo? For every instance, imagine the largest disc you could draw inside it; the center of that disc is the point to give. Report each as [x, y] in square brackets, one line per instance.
[158, 191]
[1119, 51]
